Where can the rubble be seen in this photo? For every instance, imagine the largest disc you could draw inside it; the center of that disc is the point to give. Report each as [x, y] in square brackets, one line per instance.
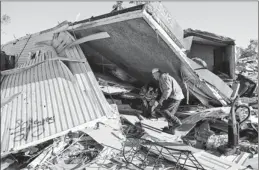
[248, 67]
[247, 74]
[108, 146]
[110, 85]
[215, 141]
[202, 133]
[190, 122]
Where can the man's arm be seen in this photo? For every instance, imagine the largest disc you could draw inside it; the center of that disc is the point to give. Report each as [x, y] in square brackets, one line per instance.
[167, 88]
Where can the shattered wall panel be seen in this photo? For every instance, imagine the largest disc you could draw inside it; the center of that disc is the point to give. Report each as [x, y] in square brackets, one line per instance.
[52, 99]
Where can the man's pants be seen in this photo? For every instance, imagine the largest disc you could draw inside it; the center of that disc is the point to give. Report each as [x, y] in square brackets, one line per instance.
[169, 109]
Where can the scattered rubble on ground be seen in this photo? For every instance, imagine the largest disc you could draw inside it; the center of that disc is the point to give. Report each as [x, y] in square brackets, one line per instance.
[138, 143]
[248, 67]
[247, 74]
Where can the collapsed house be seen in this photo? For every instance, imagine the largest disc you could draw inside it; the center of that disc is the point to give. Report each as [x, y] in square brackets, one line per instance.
[56, 86]
[217, 51]
[132, 39]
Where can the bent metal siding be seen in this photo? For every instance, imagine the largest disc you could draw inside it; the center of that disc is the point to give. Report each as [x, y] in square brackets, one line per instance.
[49, 100]
[22, 46]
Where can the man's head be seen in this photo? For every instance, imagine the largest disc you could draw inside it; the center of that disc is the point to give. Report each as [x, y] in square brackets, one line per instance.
[156, 73]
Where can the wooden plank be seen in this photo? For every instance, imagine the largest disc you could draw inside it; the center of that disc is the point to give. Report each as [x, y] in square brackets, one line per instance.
[19, 70]
[92, 37]
[105, 21]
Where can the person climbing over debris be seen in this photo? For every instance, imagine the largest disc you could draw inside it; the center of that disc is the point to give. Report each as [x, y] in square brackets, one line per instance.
[170, 99]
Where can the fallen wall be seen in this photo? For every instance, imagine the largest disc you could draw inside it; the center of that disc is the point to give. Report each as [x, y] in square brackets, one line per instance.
[49, 98]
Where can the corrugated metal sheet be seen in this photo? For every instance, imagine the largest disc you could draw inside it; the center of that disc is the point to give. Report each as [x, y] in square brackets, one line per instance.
[21, 47]
[54, 99]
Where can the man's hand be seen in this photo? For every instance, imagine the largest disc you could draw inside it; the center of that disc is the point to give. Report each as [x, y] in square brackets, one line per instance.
[154, 106]
[160, 102]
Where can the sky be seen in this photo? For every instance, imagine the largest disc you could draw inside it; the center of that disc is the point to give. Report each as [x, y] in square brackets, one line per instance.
[237, 20]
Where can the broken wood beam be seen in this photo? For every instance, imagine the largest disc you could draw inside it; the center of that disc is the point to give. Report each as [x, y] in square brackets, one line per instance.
[88, 38]
[19, 70]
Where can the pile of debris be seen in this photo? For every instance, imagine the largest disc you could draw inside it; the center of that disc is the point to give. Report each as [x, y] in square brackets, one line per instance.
[136, 142]
[247, 75]
[248, 67]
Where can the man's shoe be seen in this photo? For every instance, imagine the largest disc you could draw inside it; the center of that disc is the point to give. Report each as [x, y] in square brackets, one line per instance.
[177, 125]
[172, 128]
[165, 129]
[172, 131]
[169, 130]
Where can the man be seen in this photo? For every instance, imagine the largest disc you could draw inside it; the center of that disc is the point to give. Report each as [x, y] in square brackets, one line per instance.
[170, 99]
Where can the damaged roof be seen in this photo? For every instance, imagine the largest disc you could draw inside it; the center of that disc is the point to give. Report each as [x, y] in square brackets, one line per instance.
[208, 35]
[47, 97]
[20, 48]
